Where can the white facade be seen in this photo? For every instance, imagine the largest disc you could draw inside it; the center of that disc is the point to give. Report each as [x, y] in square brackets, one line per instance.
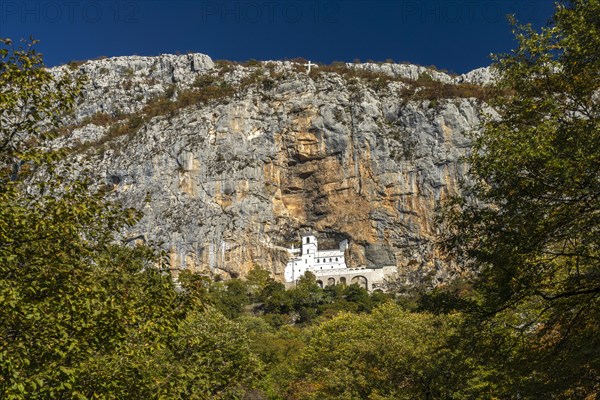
[310, 258]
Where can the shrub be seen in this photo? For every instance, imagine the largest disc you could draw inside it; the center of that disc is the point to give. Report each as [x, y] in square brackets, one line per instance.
[74, 65]
[251, 63]
[268, 84]
[169, 91]
[100, 119]
[225, 66]
[203, 81]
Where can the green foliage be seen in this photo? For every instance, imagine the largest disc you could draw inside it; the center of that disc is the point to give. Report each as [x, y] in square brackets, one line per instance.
[82, 315]
[195, 288]
[528, 224]
[256, 281]
[425, 78]
[268, 84]
[278, 349]
[259, 294]
[68, 292]
[208, 358]
[275, 299]
[306, 296]
[32, 104]
[389, 354]
[229, 297]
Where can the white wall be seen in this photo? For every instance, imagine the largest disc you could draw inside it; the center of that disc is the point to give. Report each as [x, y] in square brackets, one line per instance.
[307, 261]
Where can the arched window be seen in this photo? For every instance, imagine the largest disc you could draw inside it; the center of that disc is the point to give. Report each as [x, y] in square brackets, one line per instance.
[307, 240]
[336, 259]
[317, 260]
[330, 260]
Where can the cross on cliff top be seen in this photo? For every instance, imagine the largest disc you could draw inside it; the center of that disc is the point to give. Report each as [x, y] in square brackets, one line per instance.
[309, 65]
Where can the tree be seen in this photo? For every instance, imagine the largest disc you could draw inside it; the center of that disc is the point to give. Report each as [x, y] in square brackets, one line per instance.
[70, 292]
[275, 299]
[256, 281]
[529, 222]
[208, 358]
[306, 297]
[32, 105]
[389, 354]
[229, 297]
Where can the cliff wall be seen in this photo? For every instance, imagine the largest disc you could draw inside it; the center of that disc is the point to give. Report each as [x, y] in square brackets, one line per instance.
[261, 152]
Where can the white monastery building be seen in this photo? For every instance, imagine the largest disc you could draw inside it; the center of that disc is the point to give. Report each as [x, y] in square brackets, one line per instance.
[329, 266]
[310, 258]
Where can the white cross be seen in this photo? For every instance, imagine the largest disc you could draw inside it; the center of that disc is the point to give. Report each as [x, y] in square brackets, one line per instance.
[309, 65]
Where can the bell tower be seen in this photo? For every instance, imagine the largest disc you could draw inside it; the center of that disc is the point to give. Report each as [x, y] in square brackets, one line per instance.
[309, 245]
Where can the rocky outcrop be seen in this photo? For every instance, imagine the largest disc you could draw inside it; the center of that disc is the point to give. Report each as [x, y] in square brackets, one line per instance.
[122, 85]
[480, 76]
[228, 184]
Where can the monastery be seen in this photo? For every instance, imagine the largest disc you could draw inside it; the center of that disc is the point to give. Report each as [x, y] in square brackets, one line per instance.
[329, 266]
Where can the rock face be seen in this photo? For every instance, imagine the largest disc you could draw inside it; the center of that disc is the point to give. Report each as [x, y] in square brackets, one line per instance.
[228, 184]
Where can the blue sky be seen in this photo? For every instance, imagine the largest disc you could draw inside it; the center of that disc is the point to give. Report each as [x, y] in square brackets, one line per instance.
[456, 35]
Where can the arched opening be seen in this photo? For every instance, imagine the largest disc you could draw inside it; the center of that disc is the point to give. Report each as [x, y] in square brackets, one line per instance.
[343, 280]
[330, 281]
[320, 283]
[360, 281]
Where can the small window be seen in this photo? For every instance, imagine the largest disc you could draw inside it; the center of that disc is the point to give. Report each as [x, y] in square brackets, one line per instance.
[336, 259]
[330, 260]
[305, 261]
[307, 240]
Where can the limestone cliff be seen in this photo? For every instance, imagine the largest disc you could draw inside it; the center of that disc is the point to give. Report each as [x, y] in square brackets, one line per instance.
[228, 181]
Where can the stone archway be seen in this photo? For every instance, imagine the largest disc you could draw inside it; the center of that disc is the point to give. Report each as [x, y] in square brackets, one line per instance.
[330, 281]
[361, 281]
[343, 280]
[320, 283]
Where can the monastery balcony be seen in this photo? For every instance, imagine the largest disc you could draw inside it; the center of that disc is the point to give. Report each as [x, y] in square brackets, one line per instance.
[341, 271]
